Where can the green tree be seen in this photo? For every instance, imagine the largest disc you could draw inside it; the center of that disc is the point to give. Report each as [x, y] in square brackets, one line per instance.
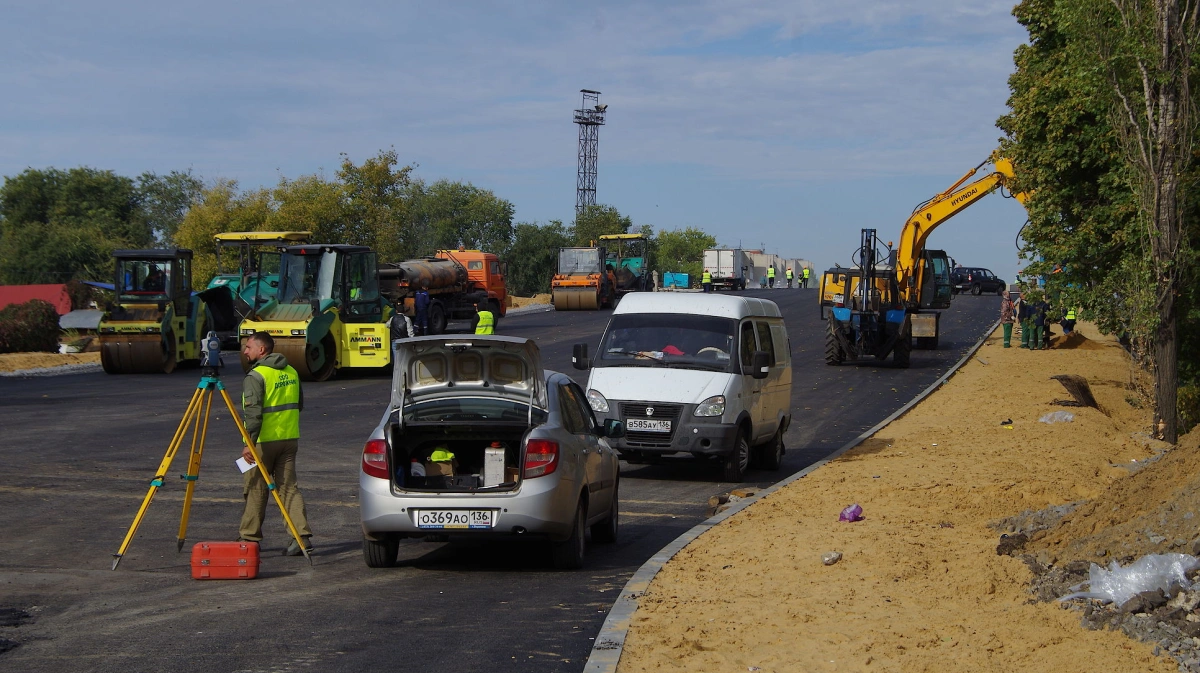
[166, 199]
[460, 214]
[533, 257]
[682, 250]
[58, 225]
[593, 221]
[220, 208]
[377, 211]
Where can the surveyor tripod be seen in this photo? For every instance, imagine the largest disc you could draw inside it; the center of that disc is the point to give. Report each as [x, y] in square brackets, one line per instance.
[196, 418]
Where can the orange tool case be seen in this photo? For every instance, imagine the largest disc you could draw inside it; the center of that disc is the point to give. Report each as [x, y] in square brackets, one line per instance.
[225, 560]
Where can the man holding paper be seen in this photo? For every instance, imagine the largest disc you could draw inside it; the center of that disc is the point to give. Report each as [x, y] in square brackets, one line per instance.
[271, 404]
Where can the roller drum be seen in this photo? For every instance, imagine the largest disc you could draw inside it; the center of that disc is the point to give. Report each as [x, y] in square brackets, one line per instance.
[572, 299]
[137, 354]
[307, 358]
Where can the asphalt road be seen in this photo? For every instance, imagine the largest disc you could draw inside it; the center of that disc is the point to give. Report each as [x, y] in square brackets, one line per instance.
[78, 451]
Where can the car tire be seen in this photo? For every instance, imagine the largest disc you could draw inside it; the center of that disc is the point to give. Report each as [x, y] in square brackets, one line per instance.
[976, 290]
[381, 554]
[771, 454]
[733, 469]
[606, 530]
[568, 554]
[1000, 290]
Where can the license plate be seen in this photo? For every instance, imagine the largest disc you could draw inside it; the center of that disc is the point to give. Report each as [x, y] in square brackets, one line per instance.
[837, 298]
[647, 425]
[455, 518]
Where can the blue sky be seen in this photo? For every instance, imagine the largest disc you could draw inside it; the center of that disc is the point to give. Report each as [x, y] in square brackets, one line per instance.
[789, 125]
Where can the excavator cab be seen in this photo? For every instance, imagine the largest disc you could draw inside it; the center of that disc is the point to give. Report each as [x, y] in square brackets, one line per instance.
[934, 279]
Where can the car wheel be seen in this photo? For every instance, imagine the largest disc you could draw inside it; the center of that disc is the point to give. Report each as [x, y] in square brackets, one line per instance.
[606, 530]
[771, 453]
[568, 554]
[381, 554]
[1000, 290]
[734, 467]
[976, 290]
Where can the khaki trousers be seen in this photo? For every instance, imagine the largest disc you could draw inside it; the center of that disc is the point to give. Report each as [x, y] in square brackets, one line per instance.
[279, 459]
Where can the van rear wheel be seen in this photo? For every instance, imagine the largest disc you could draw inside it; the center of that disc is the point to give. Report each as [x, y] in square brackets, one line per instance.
[771, 454]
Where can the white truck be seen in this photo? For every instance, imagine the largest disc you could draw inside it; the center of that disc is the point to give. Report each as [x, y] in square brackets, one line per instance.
[728, 268]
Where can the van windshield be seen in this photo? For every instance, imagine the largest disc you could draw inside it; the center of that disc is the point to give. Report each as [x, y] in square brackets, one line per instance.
[681, 341]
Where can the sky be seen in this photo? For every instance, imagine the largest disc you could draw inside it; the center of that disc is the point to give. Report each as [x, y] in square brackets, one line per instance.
[782, 125]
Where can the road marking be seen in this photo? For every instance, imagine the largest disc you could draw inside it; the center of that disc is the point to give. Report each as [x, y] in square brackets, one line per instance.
[173, 497]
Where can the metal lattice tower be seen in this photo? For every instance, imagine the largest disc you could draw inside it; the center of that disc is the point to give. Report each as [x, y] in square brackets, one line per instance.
[590, 117]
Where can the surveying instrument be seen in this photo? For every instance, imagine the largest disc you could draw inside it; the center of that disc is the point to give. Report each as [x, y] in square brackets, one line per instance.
[197, 420]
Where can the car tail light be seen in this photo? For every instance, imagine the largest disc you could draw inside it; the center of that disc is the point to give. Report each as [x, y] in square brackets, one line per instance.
[541, 457]
[375, 462]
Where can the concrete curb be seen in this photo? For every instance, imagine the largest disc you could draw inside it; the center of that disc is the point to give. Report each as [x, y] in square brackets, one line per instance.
[610, 642]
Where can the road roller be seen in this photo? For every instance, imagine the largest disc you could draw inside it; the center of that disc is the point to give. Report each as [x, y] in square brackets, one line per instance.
[245, 260]
[628, 255]
[156, 322]
[327, 311]
[582, 282]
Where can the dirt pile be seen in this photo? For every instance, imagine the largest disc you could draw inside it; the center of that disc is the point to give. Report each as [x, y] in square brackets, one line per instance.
[519, 302]
[11, 362]
[919, 585]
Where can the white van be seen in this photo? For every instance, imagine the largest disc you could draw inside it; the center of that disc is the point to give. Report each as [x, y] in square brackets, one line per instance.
[707, 374]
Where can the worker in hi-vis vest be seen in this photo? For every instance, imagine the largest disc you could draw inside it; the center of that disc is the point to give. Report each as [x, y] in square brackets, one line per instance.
[485, 321]
[771, 276]
[789, 277]
[706, 281]
[805, 276]
[271, 404]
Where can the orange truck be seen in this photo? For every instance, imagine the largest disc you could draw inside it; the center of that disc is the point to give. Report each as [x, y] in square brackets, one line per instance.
[457, 281]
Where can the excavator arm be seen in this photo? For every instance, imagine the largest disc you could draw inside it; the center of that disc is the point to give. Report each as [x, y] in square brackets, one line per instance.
[929, 215]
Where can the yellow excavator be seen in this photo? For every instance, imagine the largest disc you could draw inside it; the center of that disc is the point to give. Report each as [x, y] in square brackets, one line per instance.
[890, 300]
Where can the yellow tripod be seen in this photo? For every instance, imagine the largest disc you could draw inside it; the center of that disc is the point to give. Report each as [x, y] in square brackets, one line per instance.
[193, 417]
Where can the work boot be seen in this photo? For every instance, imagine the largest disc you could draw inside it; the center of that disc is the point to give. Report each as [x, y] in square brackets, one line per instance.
[293, 549]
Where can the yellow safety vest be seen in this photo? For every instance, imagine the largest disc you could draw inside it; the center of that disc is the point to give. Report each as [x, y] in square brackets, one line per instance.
[281, 404]
[1070, 314]
[789, 274]
[706, 277]
[770, 272]
[487, 323]
[806, 272]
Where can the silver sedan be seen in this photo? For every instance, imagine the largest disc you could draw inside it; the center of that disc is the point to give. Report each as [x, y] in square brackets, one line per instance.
[478, 441]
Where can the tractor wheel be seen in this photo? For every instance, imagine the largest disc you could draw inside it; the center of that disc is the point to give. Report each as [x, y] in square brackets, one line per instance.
[902, 351]
[833, 348]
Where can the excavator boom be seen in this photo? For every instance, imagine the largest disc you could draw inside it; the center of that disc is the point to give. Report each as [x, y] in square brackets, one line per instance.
[929, 215]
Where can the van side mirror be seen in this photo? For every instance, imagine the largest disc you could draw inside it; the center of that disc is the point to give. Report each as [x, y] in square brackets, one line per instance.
[613, 428]
[760, 364]
[579, 357]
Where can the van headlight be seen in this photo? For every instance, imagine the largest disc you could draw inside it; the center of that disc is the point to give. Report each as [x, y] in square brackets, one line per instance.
[713, 406]
[599, 404]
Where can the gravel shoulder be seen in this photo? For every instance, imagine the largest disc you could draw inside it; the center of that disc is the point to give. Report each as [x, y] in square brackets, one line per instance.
[920, 585]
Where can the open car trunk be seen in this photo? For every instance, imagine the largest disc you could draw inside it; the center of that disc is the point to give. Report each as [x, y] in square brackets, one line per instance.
[487, 458]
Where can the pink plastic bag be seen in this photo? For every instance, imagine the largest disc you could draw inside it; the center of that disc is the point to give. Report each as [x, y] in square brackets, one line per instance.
[851, 513]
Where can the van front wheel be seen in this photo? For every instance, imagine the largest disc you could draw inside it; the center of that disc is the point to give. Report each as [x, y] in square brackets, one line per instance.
[734, 467]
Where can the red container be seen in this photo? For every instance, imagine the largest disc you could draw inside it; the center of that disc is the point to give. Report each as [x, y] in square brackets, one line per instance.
[225, 560]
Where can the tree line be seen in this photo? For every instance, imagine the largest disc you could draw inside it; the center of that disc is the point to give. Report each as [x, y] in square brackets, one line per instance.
[1102, 130]
[61, 225]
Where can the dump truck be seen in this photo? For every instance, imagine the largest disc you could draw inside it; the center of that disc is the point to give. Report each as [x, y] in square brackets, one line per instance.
[628, 257]
[458, 280]
[582, 281]
[246, 262]
[727, 267]
[155, 322]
